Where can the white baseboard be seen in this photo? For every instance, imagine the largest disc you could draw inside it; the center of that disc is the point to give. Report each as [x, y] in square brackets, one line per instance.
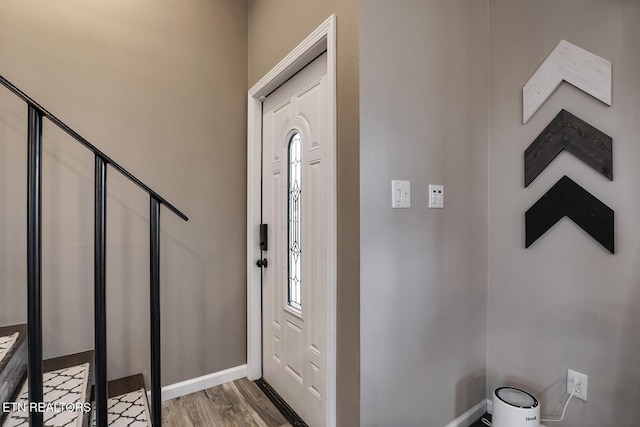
[470, 416]
[202, 383]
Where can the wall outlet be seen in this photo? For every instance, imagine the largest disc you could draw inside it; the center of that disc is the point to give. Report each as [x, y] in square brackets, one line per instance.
[436, 196]
[574, 377]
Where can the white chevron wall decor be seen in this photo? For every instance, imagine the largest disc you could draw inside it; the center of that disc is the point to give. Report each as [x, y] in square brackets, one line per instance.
[572, 64]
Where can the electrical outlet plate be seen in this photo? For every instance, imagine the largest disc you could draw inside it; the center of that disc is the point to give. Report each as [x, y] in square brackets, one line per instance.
[436, 196]
[584, 382]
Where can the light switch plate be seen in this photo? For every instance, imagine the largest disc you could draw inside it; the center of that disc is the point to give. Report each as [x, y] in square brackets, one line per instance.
[400, 194]
[436, 196]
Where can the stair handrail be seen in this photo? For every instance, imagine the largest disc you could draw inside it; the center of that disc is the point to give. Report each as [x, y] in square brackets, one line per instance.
[62, 125]
[34, 264]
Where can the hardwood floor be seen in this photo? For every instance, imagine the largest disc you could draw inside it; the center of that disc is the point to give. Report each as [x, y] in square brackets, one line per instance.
[237, 404]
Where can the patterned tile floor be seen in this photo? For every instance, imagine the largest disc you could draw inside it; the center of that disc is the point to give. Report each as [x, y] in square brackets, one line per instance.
[64, 386]
[6, 343]
[127, 410]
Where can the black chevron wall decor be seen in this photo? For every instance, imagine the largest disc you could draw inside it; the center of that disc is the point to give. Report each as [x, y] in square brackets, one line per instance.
[568, 132]
[568, 198]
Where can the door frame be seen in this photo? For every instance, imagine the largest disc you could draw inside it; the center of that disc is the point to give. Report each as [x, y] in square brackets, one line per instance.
[321, 40]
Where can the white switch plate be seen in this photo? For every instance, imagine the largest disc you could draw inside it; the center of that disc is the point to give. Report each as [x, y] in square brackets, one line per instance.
[436, 196]
[400, 194]
[584, 382]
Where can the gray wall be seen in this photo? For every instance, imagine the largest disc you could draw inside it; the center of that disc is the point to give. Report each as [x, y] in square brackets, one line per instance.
[423, 85]
[565, 302]
[160, 87]
[275, 28]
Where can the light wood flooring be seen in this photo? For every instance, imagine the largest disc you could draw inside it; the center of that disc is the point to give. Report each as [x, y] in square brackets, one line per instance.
[236, 404]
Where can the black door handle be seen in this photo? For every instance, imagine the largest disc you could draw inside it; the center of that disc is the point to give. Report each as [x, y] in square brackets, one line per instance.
[262, 263]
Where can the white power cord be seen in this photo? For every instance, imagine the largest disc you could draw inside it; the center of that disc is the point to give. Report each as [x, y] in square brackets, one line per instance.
[576, 386]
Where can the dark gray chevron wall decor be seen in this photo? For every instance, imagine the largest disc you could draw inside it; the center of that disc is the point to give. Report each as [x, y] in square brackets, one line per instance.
[566, 198]
[568, 132]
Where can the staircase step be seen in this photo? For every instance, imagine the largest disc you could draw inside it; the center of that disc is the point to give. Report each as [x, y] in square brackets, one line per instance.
[127, 404]
[67, 380]
[13, 361]
[125, 385]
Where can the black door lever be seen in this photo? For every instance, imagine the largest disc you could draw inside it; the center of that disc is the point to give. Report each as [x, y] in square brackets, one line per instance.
[262, 263]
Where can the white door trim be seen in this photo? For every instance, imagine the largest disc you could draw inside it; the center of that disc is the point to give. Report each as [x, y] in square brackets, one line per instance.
[322, 39]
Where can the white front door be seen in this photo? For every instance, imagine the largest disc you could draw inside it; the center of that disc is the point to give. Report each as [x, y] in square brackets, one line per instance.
[295, 191]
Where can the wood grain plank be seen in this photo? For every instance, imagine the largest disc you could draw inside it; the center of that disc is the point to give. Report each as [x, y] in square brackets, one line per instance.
[566, 198]
[22, 337]
[174, 414]
[125, 385]
[260, 403]
[237, 404]
[573, 64]
[13, 366]
[202, 411]
[68, 361]
[12, 329]
[570, 133]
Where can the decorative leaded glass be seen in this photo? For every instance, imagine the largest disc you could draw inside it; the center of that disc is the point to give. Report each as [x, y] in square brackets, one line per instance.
[295, 175]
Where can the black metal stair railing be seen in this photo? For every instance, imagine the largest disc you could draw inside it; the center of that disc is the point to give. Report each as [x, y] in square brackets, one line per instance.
[34, 265]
